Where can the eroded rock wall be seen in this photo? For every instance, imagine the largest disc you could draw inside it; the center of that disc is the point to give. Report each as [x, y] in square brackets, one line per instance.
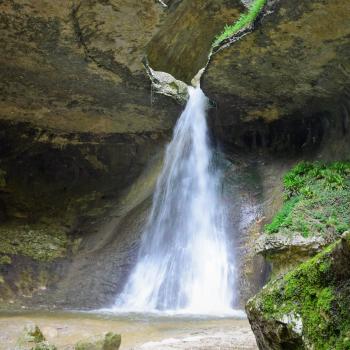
[78, 122]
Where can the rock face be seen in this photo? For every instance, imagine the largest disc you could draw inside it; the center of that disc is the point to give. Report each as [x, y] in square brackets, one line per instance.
[308, 308]
[77, 68]
[293, 67]
[75, 99]
[78, 121]
[110, 341]
[182, 45]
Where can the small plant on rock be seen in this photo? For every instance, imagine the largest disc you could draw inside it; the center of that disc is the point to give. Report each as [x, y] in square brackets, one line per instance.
[243, 21]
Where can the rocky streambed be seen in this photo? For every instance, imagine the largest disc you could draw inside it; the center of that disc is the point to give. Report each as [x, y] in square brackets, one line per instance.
[65, 329]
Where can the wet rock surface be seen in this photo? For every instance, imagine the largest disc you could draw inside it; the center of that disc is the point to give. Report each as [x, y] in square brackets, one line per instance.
[183, 42]
[78, 123]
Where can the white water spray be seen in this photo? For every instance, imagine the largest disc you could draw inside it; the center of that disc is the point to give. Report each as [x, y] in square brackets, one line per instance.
[184, 262]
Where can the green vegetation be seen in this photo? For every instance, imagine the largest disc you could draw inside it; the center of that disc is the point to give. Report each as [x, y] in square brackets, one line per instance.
[40, 242]
[281, 217]
[317, 198]
[32, 338]
[243, 21]
[314, 293]
[111, 341]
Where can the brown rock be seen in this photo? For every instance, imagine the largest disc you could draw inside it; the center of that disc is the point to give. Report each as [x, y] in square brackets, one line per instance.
[293, 64]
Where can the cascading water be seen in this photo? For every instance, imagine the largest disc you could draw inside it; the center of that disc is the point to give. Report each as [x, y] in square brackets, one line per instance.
[184, 262]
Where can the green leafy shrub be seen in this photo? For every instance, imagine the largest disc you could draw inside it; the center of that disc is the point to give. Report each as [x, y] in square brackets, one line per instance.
[317, 198]
[281, 218]
[243, 21]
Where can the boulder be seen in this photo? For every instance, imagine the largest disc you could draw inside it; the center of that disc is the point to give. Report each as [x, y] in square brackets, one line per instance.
[109, 341]
[308, 308]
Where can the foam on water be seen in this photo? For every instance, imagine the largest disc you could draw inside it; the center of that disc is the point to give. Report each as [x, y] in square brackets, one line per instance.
[184, 264]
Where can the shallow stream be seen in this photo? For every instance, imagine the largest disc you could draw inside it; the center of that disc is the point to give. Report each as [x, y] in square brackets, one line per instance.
[64, 329]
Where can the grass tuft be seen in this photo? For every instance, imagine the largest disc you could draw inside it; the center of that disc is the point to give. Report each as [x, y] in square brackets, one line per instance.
[243, 21]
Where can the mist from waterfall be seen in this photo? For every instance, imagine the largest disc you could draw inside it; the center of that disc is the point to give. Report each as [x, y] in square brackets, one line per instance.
[184, 262]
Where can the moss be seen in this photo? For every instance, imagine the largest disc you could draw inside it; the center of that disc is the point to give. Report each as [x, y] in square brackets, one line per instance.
[32, 338]
[44, 346]
[111, 341]
[312, 291]
[282, 217]
[5, 260]
[243, 21]
[40, 242]
[317, 200]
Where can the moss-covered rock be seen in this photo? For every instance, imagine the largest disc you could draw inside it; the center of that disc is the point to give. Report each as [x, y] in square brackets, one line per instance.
[86, 56]
[33, 333]
[309, 307]
[315, 212]
[109, 341]
[41, 242]
[287, 68]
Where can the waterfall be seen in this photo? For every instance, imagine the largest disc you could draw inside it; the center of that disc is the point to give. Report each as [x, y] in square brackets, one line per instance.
[184, 261]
